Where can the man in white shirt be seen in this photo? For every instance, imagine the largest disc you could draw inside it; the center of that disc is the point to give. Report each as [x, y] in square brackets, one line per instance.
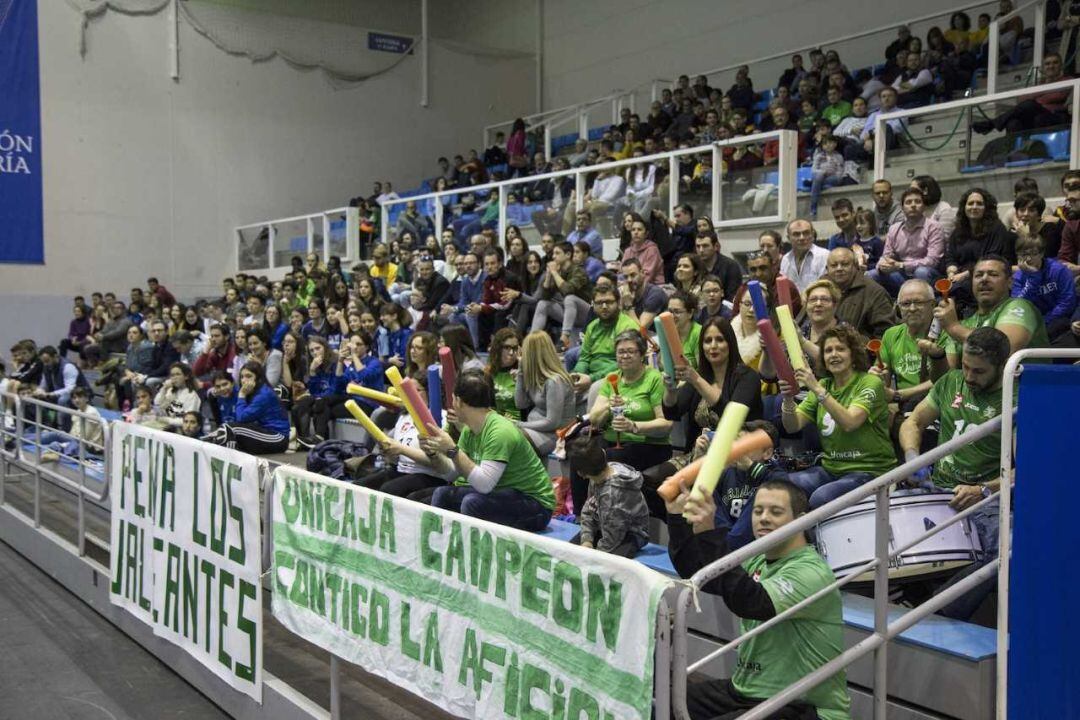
[806, 262]
[388, 194]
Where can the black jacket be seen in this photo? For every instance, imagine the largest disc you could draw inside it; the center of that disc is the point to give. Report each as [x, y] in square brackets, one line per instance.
[963, 251]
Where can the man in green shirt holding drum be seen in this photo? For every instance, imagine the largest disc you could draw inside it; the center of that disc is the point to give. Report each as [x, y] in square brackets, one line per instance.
[961, 400]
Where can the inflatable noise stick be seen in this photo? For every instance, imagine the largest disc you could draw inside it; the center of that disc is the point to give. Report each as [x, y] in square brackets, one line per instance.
[757, 296]
[783, 291]
[391, 401]
[791, 336]
[716, 457]
[362, 417]
[874, 348]
[943, 286]
[748, 443]
[449, 375]
[776, 354]
[671, 335]
[394, 376]
[419, 412]
[665, 349]
[434, 394]
[613, 380]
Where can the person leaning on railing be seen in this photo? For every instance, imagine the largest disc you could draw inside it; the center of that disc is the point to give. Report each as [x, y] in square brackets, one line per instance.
[757, 591]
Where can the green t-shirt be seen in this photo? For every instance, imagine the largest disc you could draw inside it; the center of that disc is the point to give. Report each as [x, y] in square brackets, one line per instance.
[794, 648]
[867, 449]
[642, 397]
[900, 354]
[835, 113]
[502, 441]
[1011, 311]
[690, 344]
[597, 357]
[504, 396]
[960, 409]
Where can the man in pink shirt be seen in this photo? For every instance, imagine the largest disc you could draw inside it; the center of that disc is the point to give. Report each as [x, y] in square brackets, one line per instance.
[913, 247]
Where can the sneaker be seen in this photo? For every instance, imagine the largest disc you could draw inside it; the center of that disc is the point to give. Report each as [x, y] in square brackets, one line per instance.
[9, 422]
[50, 456]
[294, 446]
[310, 441]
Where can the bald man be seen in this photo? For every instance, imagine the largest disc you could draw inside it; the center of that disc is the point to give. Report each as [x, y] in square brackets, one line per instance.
[863, 303]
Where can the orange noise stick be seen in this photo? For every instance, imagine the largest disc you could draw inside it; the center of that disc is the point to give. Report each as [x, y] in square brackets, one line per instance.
[684, 479]
[943, 286]
[874, 347]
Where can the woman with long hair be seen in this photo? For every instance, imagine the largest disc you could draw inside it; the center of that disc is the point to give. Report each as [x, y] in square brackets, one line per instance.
[518, 159]
[644, 250]
[517, 252]
[934, 207]
[313, 398]
[502, 368]
[368, 296]
[274, 325]
[337, 291]
[457, 338]
[689, 274]
[851, 413]
[523, 296]
[543, 384]
[178, 395]
[261, 426]
[683, 307]
[701, 396]
[978, 232]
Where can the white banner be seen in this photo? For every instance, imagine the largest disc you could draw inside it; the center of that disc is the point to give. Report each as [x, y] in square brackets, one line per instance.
[482, 620]
[186, 556]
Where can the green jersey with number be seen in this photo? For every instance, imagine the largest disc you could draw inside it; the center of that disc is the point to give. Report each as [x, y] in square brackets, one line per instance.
[797, 646]
[502, 441]
[504, 396]
[867, 449]
[959, 410]
[1011, 311]
[642, 398]
[900, 354]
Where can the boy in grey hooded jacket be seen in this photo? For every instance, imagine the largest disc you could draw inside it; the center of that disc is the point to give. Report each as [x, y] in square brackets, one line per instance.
[614, 518]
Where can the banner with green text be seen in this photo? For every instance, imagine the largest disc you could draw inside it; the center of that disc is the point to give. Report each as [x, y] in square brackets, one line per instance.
[482, 620]
[186, 556]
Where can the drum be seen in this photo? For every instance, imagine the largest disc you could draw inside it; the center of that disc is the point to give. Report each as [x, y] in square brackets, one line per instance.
[846, 540]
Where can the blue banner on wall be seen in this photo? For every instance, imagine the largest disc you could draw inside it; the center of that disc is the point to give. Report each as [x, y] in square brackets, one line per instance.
[21, 233]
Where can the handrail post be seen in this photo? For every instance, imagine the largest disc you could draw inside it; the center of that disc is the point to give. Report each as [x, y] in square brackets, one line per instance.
[271, 241]
[80, 539]
[37, 465]
[655, 93]
[583, 124]
[1040, 34]
[787, 193]
[879, 148]
[673, 186]
[384, 224]
[992, 58]
[547, 140]
[882, 533]
[1074, 134]
[579, 191]
[502, 210]
[717, 182]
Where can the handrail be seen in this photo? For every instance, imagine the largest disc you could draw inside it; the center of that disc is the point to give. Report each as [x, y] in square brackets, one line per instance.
[994, 40]
[733, 559]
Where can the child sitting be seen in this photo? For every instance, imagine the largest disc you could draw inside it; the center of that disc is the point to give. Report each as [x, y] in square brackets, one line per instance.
[222, 396]
[192, 425]
[144, 413]
[739, 481]
[89, 431]
[868, 246]
[614, 518]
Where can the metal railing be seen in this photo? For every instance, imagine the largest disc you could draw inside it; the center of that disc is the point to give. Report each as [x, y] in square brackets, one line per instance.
[883, 630]
[972, 102]
[30, 431]
[786, 169]
[315, 229]
[994, 41]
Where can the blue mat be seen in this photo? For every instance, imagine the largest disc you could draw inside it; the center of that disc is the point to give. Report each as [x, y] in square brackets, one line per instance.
[652, 555]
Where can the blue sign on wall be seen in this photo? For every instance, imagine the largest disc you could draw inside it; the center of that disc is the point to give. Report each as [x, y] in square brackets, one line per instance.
[21, 235]
[389, 43]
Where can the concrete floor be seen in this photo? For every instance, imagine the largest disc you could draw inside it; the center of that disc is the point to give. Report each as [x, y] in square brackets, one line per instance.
[61, 660]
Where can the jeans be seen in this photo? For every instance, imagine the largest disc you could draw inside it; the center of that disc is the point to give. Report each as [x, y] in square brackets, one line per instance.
[512, 508]
[823, 487]
[572, 312]
[820, 182]
[893, 280]
[986, 522]
[470, 321]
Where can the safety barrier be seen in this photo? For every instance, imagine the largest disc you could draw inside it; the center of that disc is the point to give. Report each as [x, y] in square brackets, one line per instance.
[269, 245]
[994, 41]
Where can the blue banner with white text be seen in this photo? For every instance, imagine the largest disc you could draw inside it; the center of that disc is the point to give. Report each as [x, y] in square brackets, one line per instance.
[21, 232]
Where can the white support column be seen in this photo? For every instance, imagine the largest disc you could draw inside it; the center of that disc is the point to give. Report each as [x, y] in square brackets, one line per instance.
[547, 140]
[655, 94]
[239, 244]
[787, 203]
[583, 124]
[614, 111]
[1040, 35]
[673, 185]
[436, 211]
[992, 60]
[879, 147]
[310, 228]
[717, 184]
[424, 57]
[174, 40]
[502, 210]
[579, 190]
[384, 223]
[271, 237]
[540, 56]
[326, 240]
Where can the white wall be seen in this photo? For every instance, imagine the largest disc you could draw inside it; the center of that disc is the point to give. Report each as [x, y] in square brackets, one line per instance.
[591, 49]
[144, 176]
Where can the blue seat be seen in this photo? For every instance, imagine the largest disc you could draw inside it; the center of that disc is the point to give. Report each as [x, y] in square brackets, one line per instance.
[561, 141]
[805, 177]
[501, 168]
[975, 169]
[1026, 163]
[596, 133]
[1057, 144]
[298, 244]
[652, 555]
[772, 177]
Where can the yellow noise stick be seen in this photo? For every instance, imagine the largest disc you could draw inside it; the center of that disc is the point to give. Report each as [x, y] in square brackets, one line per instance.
[362, 417]
[716, 456]
[382, 398]
[394, 376]
[791, 337]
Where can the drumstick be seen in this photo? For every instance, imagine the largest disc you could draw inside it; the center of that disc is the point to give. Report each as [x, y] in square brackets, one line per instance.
[434, 394]
[449, 375]
[394, 376]
[776, 354]
[390, 401]
[362, 417]
[716, 456]
[757, 296]
[665, 350]
[671, 335]
[791, 336]
[748, 443]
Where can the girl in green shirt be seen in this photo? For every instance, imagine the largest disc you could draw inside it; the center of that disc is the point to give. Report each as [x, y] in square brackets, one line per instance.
[851, 414]
[502, 369]
[684, 306]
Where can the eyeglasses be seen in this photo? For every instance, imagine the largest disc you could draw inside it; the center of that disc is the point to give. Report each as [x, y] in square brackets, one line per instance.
[511, 348]
[626, 353]
[1071, 187]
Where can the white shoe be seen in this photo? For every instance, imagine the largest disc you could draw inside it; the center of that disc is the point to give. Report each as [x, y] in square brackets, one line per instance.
[294, 446]
[9, 421]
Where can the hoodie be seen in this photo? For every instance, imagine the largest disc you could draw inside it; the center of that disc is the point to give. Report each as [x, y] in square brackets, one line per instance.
[1051, 289]
[734, 497]
[615, 510]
